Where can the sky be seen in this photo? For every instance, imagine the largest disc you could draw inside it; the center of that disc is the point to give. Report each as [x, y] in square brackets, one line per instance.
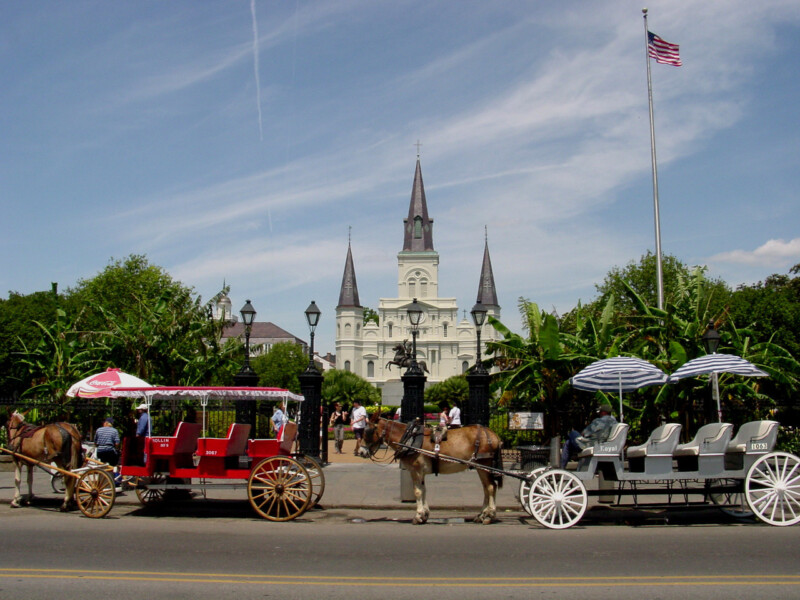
[244, 142]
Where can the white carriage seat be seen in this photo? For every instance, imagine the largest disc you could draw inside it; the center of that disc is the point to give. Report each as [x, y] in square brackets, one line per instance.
[612, 446]
[709, 439]
[662, 442]
[755, 437]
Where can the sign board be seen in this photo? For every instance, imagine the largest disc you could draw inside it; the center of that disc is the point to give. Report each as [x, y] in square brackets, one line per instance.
[525, 420]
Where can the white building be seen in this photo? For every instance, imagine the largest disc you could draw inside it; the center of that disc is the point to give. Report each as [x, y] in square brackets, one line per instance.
[447, 345]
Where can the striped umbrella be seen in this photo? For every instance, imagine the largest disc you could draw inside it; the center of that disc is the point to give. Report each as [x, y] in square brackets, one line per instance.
[713, 364]
[620, 373]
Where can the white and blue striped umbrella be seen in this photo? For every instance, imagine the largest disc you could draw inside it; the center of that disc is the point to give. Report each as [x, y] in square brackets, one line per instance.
[717, 363]
[620, 373]
[713, 364]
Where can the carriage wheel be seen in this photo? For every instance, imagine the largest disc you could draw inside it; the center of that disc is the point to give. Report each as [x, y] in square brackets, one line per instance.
[732, 503]
[314, 468]
[148, 496]
[525, 488]
[95, 493]
[557, 499]
[772, 488]
[279, 488]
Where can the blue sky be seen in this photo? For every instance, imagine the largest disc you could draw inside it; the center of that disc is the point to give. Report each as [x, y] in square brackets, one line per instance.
[238, 141]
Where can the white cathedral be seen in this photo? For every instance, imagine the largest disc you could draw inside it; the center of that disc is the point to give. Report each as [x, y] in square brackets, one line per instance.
[448, 346]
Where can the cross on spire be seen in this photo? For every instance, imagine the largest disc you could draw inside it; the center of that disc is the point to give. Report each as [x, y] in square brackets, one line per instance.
[418, 144]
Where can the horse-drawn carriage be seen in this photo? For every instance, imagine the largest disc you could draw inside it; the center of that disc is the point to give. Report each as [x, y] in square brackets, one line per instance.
[281, 485]
[743, 475]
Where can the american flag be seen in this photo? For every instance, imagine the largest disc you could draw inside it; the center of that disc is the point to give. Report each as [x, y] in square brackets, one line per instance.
[663, 51]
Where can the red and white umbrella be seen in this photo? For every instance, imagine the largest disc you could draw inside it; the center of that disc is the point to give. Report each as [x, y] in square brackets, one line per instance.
[100, 385]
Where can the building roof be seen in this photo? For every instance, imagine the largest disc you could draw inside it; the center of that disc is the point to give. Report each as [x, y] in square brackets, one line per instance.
[348, 294]
[418, 227]
[263, 330]
[487, 294]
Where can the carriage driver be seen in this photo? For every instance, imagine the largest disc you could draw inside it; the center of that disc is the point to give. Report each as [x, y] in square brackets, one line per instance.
[106, 438]
[597, 431]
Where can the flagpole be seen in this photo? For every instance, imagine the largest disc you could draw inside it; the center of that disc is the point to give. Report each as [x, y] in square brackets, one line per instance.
[659, 272]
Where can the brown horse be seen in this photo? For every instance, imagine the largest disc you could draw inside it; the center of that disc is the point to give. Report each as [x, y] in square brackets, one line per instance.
[472, 443]
[58, 443]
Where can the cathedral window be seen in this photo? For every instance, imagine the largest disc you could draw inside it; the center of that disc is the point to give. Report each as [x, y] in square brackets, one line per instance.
[423, 288]
[348, 330]
[464, 367]
[370, 369]
[412, 287]
[444, 329]
[390, 330]
[347, 365]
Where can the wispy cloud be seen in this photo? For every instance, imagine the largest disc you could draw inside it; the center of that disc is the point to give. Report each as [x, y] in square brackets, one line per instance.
[774, 254]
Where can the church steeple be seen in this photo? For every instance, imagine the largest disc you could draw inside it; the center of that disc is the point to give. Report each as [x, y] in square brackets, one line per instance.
[348, 295]
[487, 294]
[418, 234]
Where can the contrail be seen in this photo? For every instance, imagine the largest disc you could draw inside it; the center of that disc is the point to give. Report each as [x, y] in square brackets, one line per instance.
[255, 67]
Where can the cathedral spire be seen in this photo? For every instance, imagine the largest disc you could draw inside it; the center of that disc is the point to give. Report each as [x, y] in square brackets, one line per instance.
[348, 295]
[418, 226]
[487, 294]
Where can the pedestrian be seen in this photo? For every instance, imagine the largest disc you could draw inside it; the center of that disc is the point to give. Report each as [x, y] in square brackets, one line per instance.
[454, 416]
[106, 440]
[338, 421]
[444, 415]
[359, 420]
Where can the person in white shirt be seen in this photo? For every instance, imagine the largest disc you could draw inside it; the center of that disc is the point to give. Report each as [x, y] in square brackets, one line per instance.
[454, 418]
[358, 418]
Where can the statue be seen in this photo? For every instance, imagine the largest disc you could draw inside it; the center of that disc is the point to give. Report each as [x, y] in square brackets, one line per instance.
[403, 355]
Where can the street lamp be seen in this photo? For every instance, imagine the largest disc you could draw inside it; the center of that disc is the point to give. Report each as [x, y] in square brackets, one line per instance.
[479, 318]
[711, 339]
[312, 316]
[414, 317]
[312, 418]
[246, 377]
[477, 409]
[247, 373]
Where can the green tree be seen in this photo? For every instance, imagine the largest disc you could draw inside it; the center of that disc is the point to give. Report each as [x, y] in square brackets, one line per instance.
[19, 315]
[451, 390]
[281, 366]
[154, 326]
[344, 386]
[371, 315]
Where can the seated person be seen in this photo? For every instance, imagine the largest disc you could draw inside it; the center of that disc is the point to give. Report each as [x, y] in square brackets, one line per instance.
[597, 431]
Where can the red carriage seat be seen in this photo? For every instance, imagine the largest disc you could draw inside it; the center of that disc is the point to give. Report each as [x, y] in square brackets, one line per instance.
[233, 445]
[280, 446]
[179, 448]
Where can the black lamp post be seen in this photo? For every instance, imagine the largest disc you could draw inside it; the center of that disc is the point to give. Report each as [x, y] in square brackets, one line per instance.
[477, 409]
[311, 388]
[411, 407]
[711, 339]
[246, 377]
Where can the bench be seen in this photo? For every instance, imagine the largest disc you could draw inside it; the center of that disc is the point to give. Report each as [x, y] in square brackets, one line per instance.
[706, 452]
[177, 449]
[753, 440]
[233, 445]
[607, 455]
[655, 455]
[281, 446]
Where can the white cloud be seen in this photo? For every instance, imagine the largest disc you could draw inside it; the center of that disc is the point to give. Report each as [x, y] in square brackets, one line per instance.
[773, 254]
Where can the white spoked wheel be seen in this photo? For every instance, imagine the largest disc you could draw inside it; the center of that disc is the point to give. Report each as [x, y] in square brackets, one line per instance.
[731, 501]
[557, 499]
[772, 488]
[525, 488]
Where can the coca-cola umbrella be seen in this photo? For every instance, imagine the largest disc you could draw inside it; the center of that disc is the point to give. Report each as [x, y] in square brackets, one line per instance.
[100, 385]
[618, 374]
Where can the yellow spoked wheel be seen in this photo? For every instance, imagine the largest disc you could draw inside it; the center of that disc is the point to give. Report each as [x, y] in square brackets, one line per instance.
[95, 493]
[279, 488]
[316, 474]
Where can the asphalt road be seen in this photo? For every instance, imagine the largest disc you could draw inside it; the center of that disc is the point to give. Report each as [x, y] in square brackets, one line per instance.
[220, 550]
